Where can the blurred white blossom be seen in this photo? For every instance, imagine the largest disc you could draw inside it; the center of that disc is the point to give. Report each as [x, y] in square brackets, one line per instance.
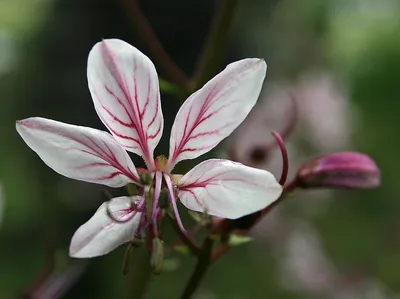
[325, 111]
[305, 266]
[367, 289]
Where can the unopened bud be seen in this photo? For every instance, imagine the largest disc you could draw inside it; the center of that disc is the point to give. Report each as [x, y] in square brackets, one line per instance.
[157, 256]
[131, 189]
[145, 178]
[164, 199]
[340, 170]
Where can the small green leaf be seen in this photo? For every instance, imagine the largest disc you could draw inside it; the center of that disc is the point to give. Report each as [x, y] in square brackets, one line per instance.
[169, 88]
[131, 189]
[198, 217]
[171, 264]
[202, 218]
[235, 240]
[182, 249]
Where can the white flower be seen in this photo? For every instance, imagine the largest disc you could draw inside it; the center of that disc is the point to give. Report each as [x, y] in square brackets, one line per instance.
[125, 91]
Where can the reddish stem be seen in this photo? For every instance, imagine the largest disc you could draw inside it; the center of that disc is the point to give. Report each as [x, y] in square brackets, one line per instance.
[220, 252]
[285, 159]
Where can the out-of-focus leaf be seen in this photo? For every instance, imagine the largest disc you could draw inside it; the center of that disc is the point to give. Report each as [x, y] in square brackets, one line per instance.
[235, 240]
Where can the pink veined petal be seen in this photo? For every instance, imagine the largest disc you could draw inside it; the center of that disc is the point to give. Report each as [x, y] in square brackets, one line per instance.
[213, 112]
[125, 91]
[227, 189]
[101, 234]
[79, 153]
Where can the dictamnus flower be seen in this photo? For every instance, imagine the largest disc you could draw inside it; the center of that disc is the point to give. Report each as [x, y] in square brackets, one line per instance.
[124, 86]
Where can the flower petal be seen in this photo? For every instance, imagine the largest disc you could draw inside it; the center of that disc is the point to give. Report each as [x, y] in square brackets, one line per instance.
[125, 91]
[101, 234]
[227, 189]
[213, 112]
[78, 152]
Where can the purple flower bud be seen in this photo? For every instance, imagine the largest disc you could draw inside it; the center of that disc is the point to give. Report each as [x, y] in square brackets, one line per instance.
[340, 170]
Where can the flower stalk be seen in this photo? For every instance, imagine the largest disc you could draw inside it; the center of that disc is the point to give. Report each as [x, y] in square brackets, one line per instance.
[138, 278]
[203, 263]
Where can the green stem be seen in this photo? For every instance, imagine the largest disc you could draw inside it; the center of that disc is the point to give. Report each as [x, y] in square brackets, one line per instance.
[139, 277]
[202, 266]
[216, 43]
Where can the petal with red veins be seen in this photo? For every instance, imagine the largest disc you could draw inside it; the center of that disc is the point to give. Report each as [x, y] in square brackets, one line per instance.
[227, 189]
[101, 234]
[79, 153]
[213, 112]
[125, 91]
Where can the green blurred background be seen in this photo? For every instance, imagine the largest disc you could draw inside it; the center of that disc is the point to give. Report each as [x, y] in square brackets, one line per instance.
[318, 245]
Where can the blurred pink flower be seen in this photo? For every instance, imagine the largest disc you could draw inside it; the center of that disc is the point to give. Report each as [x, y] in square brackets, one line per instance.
[321, 120]
[325, 111]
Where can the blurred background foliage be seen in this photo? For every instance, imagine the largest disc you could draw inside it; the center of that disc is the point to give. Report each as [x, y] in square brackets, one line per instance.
[43, 50]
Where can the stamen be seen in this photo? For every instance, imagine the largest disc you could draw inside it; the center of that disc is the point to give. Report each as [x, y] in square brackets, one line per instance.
[135, 209]
[285, 159]
[157, 191]
[173, 202]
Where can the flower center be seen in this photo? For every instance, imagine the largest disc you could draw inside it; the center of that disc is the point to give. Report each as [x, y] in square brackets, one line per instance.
[161, 163]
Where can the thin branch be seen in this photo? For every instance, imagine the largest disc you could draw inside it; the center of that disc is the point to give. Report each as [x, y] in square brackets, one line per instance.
[202, 266]
[155, 48]
[215, 45]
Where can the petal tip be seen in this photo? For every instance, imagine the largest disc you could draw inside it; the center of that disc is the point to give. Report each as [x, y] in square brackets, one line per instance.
[20, 122]
[73, 252]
